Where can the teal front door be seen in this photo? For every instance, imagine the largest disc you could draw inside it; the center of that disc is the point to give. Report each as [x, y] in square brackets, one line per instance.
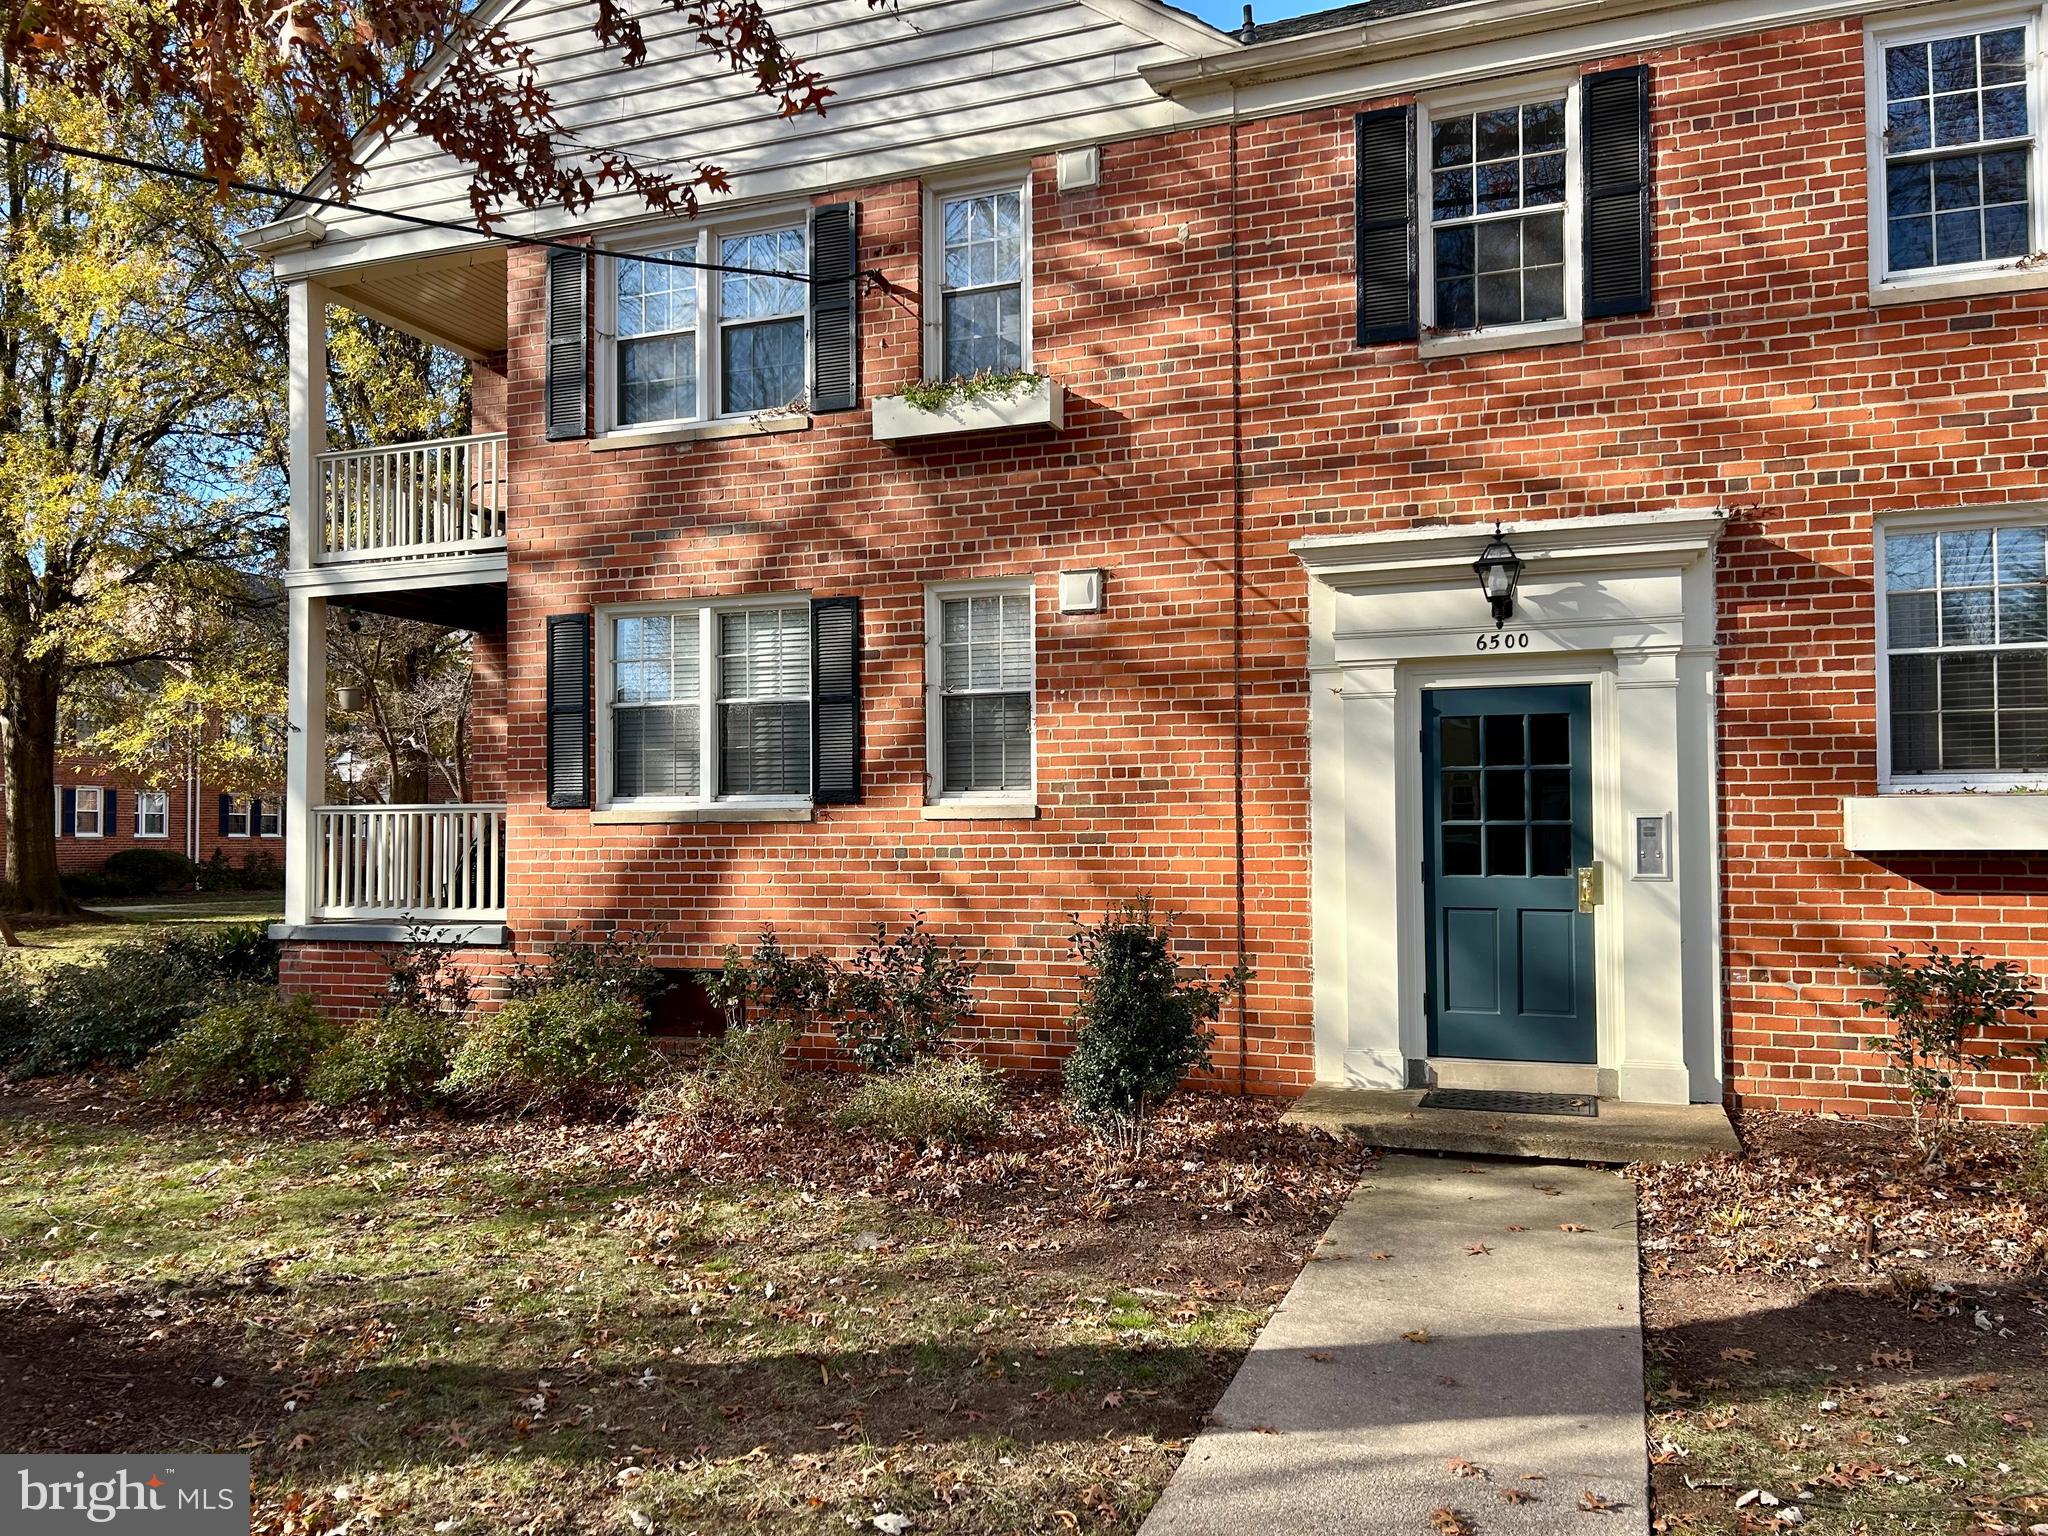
[1508, 781]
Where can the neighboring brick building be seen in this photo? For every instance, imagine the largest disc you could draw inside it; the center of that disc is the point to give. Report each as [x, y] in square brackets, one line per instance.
[1194, 612]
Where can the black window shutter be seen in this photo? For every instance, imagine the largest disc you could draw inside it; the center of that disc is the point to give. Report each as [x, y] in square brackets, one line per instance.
[568, 380]
[67, 821]
[108, 799]
[835, 701]
[255, 818]
[1618, 230]
[835, 307]
[568, 711]
[1386, 226]
[224, 805]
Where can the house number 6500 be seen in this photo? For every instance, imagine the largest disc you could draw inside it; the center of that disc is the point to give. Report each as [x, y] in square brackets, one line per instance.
[1503, 640]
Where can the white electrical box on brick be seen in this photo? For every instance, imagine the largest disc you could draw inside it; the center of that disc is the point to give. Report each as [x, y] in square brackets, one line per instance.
[1080, 591]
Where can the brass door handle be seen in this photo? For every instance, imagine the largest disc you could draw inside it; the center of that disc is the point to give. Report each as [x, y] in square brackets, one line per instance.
[1591, 886]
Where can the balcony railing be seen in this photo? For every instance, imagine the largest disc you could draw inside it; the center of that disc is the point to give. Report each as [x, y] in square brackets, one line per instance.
[413, 500]
[431, 862]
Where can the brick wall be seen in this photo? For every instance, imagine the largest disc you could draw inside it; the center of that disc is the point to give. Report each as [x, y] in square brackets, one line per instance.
[1765, 384]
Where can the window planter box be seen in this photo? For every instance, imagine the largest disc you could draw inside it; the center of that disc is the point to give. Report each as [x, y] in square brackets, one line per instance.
[1907, 823]
[1041, 405]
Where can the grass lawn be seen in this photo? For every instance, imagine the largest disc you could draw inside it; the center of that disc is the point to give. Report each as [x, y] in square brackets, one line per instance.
[108, 922]
[450, 1326]
[1841, 1343]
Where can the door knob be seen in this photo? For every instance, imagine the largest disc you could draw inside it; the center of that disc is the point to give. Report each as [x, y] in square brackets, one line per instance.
[1591, 887]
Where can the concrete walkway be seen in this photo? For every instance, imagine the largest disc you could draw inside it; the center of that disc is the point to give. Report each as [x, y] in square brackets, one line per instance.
[1400, 1351]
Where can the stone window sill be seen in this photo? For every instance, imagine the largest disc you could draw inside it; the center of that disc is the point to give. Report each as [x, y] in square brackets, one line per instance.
[980, 810]
[664, 816]
[1937, 285]
[1464, 343]
[1999, 822]
[699, 432]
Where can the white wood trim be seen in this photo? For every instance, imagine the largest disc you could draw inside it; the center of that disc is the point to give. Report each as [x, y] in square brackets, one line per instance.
[653, 809]
[305, 749]
[156, 794]
[1007, 804]
[99, 810]
[1924, 284]
[1623, 603]
[931, 203]
[1520, 91]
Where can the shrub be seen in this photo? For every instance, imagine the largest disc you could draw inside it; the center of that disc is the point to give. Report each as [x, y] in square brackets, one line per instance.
[397, 1056]
[935, 1099]
[258, 871]
[147, 872]
[426, 977]
[613, 965]
[745, 1071]
[772, 984]
[1940, 1008]
[1143, 1022]
[561, 1046]
[113, 1007]
[17, 1011]
[257, 1046]
[902, 997]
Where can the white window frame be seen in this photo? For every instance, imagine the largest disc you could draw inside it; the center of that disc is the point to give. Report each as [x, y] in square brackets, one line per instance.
[1922, 284]
[1518, 92]
[238, 809]
[703, 240]
[1950, 521]
[705, 611]
[99, 810]
[144, 798]
[271, 822]
[933, 220]
[935, 597]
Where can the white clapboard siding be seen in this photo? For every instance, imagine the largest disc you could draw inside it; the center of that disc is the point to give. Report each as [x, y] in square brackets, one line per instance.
[926, 85]
[422, 861]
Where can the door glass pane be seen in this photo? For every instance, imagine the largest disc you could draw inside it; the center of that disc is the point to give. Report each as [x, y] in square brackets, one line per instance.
[1461, 850]
[1503, 740]
[1551, 794]
[1505, 854]
[1550, 738]
[1504, 798]
[1552, 850]
[1461, 795]
[1460, 740]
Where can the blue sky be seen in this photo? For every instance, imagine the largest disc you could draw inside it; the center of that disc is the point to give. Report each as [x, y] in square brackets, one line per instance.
[1229, 14]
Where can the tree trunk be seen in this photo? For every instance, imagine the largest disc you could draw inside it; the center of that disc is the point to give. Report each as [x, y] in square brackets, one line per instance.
[31, 713]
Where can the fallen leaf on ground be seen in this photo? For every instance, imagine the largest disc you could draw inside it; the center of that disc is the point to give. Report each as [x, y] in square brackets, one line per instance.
[1465, 1467]
[1321, 1356]
[1743, 1355]
[1592, 1503]
[1418, 1336]
[1476, 1249]
[1572, 1226]
[1518, 1495]
[1451, 1522]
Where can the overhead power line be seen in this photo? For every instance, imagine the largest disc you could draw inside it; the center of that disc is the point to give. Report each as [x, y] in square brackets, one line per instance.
[415, 220]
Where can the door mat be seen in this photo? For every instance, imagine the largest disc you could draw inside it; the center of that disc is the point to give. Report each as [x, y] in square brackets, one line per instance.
[1501, 1101]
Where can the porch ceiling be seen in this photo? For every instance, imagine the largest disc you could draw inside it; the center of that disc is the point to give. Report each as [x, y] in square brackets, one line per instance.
[455, 301]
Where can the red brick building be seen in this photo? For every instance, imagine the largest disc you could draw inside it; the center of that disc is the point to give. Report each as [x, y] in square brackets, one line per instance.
[1728, 319]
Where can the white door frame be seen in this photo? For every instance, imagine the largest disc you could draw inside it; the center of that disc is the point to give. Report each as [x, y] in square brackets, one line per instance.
[1621, 602]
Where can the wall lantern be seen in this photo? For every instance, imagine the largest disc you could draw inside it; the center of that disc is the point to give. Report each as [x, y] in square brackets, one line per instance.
[1499, 569]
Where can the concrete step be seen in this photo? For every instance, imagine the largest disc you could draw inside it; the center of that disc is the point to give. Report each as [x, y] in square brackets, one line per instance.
[1621, 1133]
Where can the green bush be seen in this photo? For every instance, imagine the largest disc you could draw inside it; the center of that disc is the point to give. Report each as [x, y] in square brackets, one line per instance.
[397, 1056]
[258, 871]
[1143, 1022]
[427, 975]
[1940, 1008]
[147, 872]
[258, 1046]
[904, 994]
[112, 1007]
[561, 1046]
[17, 1011]
[936, 1099]
[613, 965]
[774, 984]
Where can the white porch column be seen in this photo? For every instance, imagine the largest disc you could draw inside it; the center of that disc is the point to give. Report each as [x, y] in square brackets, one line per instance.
[305, 778]
[306, 633]
[307, 429]
[1651, 1067]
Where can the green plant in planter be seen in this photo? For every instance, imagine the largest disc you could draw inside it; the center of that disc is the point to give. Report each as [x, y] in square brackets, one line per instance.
[1940, 1007]
[935, 395]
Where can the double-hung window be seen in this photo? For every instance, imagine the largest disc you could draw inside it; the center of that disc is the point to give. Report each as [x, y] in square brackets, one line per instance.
[86, 819]
[238, 818]
[709, 702]
[1956, 174]
[269, 819]
[981, 661]
[152, 813]
[1497, 183]
[1965, 627]
[693, 343]
[979, 260]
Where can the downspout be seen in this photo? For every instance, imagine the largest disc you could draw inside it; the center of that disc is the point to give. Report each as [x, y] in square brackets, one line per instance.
[1237, 597]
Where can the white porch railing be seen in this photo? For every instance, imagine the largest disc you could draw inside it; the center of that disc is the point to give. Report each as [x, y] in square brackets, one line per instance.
[413, 499]
[425, 861]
